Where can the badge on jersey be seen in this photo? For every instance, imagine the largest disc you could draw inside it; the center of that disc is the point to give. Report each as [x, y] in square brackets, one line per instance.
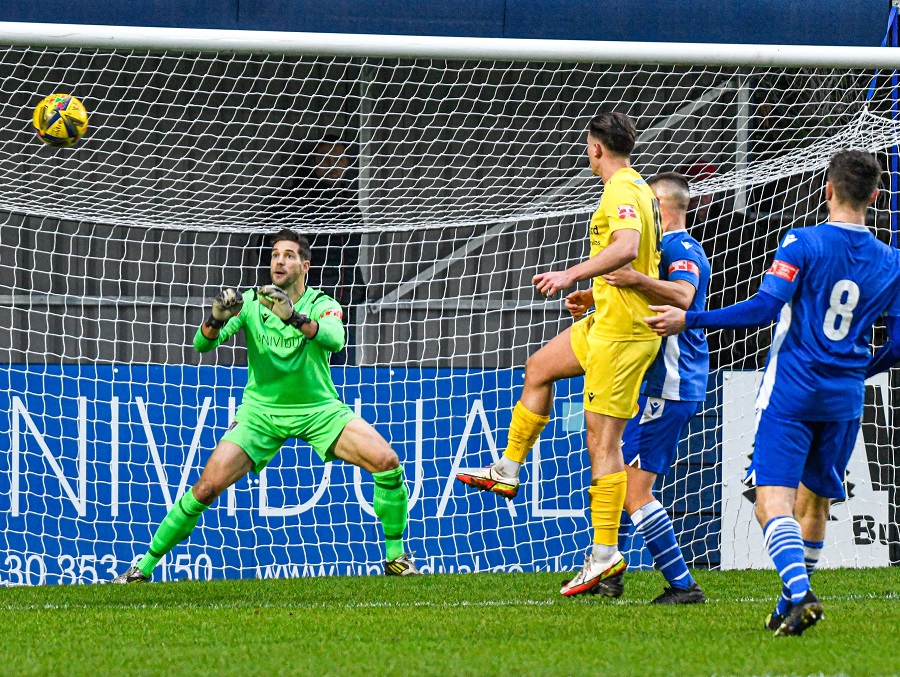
[784, 270]
[332, 312]
[684, 266]
[627, 212]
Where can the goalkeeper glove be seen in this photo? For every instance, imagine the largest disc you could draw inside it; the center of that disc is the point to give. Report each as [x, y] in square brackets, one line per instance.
[278, 301]
[225, 305]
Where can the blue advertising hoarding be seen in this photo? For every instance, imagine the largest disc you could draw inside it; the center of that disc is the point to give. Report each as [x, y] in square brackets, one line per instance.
[97, 454]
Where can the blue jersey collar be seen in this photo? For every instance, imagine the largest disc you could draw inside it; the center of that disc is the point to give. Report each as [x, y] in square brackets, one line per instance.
[848, 226]
[674, 232]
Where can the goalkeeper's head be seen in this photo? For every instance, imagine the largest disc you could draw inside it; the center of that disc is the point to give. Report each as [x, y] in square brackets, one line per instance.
[291, 258]
[852, 179]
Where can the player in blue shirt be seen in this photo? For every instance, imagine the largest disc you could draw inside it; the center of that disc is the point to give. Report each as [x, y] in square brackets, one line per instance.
[827, 285]
[674, 387]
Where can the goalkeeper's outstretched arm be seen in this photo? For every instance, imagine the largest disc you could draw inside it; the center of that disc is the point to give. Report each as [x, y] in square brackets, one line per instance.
[327, 330]
[222, 323]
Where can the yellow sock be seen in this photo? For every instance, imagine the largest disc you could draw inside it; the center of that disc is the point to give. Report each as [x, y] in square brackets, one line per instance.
[524, 430]
[607, 501]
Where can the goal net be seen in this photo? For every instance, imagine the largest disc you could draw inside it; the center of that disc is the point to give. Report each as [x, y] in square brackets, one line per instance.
[435, 177]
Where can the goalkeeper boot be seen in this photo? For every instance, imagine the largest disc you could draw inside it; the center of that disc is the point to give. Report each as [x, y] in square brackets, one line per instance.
[803, 615]
[691, 595]
[402, 566]
[133, 575]
[488, 479]
[597, 578]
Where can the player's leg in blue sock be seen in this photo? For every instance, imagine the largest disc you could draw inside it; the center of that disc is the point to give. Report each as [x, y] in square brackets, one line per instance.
[811, 552]
[785, 545]
[654, 525]
[811, 512]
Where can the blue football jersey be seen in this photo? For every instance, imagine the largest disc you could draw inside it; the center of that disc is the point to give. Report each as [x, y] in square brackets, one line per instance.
[836, 280]
[681, 367]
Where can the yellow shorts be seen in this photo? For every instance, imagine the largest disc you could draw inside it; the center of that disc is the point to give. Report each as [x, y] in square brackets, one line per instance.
[613, 370]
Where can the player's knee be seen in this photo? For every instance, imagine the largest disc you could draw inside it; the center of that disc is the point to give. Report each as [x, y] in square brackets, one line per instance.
[535, 372]
[206, 491]
[386, 460]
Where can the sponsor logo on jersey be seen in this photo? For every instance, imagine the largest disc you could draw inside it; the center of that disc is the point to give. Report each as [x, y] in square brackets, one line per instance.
[686, 245]
[627, 212]
[276, 341]
[332, 312]
[653, 410]
[784, 270]
[684, 266]
[789, 239]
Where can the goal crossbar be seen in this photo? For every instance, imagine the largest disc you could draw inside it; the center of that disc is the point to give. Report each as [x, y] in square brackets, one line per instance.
[408, 46]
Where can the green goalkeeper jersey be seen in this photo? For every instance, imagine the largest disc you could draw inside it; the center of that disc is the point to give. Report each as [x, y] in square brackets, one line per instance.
[287, 372]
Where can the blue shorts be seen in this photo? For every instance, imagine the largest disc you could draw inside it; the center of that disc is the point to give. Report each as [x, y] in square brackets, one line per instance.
[650, 440]
[816, 453]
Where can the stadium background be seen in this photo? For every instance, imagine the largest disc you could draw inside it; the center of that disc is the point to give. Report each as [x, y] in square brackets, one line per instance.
[53, 268]
[801, 22]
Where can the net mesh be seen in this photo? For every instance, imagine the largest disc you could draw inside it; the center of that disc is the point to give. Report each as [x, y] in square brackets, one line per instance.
[432, 191]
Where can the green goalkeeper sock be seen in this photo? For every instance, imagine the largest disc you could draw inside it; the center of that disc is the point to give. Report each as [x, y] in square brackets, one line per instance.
[391, 504]
[176, 526]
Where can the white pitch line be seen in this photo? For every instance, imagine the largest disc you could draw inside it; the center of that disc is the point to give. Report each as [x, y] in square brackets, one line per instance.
[425, 604]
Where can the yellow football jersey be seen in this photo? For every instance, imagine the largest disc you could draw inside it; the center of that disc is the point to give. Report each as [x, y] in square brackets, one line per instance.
[627, 202]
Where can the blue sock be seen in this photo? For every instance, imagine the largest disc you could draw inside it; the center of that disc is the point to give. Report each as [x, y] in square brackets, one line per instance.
[785, 545]
[784, 605]
[655, 526]
[811, 552]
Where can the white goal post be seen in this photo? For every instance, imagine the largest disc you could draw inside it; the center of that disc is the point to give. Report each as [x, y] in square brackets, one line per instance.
[464, 176]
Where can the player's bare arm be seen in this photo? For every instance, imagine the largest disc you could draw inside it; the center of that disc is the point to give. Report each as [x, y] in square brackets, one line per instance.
[225, 305]
[623, 249]
[678, 293]
[579, 302]
[669, 322]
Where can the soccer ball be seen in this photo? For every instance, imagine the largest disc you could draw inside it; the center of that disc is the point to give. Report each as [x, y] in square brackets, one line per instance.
[60, 120]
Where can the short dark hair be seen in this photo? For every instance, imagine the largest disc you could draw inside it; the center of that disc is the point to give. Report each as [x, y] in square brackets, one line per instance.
[854, 175]
[614, 130]
[288, 235]
[681, 188]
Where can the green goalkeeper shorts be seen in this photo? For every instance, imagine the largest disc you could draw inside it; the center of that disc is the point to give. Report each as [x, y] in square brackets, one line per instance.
[261, 435]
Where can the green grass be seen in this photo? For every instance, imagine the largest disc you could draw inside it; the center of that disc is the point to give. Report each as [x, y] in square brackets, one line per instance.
[475, 624]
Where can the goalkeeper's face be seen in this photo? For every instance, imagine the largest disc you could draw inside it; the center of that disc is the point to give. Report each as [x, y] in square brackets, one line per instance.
[288, 265]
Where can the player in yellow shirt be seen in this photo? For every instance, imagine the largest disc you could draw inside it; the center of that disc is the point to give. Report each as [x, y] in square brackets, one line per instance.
[613, 348]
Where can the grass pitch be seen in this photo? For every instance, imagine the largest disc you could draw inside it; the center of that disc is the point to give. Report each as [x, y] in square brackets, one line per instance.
[473, 624]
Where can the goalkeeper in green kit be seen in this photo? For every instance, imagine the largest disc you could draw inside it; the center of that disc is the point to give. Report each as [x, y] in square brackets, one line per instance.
[290, 332]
